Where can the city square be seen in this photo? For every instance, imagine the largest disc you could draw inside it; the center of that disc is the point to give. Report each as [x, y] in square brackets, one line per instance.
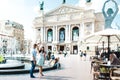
[72, 38]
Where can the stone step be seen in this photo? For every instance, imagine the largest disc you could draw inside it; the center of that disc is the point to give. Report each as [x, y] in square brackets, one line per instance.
[23, 71]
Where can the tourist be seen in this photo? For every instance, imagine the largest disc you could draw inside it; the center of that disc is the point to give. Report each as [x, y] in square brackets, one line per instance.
[85, 54]
[52, 56]
[33, 60]
[81, 54]
[65, 53]
[114, 60]
[49, 55]
[41, 60]
[55, 63]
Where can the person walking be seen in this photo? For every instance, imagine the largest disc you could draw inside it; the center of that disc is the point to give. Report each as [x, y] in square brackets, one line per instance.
[81, 54]
[41, 60]
[85, 54]
[33, 60]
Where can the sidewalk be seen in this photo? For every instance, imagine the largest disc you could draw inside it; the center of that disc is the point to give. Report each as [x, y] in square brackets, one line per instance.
[72, 69]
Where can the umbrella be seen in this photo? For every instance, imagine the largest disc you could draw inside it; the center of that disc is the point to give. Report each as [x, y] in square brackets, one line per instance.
[107, 36]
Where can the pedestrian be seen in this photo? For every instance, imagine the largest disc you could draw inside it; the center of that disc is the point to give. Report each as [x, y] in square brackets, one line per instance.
[114, 60]
[41, 60]
[65, 53]
[33, 60]
[81, 54]
[85, 54]
[49, 54]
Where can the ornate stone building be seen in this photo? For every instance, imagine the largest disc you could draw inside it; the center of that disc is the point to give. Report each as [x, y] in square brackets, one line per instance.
[11, 36]
[65, 27]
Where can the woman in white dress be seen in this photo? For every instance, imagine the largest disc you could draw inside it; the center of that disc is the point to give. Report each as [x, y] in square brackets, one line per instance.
[41, 60]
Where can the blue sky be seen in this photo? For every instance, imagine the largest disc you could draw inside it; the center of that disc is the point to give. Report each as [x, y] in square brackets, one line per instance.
[24, 11]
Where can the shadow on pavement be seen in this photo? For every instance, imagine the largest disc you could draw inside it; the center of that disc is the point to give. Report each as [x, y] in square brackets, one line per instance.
[56, 78]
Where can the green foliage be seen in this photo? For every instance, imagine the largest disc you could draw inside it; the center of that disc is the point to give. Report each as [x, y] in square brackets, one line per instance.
[1, 58]
[104, 70]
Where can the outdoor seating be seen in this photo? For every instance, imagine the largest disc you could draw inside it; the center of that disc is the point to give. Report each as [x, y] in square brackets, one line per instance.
[103, 71]
[116, 74]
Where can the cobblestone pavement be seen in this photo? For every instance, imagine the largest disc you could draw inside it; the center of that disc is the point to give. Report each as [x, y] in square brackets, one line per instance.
[73, 68]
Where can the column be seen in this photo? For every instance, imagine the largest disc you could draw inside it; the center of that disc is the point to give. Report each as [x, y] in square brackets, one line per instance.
[56, 37]
[79, 39]
[69, 38]
[93, 27]
[66, 33]
[82, 30]
[42, 35]
[54, 33]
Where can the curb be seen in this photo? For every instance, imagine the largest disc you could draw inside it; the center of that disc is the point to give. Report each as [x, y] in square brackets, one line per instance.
[23, 71]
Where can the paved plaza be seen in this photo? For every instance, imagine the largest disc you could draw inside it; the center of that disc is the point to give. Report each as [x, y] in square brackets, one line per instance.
[73, 68]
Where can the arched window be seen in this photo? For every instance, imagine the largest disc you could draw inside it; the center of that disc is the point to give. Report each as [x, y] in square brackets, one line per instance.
[75, 34]
[49, 35]
[62, 35]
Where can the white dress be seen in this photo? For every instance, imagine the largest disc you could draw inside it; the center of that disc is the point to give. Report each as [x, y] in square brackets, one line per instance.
[40, 59]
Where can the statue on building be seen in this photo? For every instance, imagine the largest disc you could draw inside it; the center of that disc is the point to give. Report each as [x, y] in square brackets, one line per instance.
[64, 1]
[109, 15]
[75, 35]
[49, 36]
[62, 36]
[41, 5]
[88, 1]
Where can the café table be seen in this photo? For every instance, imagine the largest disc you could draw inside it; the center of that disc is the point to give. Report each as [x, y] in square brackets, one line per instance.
[108, 67]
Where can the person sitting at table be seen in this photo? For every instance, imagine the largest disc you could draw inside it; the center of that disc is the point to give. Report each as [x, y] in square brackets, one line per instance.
[55, 63]
[113, 59]
[95, 68]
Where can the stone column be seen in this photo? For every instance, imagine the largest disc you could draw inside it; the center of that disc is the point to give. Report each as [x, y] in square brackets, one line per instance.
[69, 34]
[56, 37]
[42, 34]
[82, 30]
[54, 33]
[93, 27]
[66, 34]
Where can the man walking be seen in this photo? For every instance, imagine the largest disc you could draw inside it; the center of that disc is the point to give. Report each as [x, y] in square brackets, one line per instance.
[33, 60]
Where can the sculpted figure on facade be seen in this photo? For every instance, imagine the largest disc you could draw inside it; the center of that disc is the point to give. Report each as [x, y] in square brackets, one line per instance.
[50, 36]
[41, 5]
[109, 15]
[62, 36]
[64, 1]
[88, 0]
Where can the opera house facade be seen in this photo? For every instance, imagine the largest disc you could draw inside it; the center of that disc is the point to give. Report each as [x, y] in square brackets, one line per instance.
[64, 28]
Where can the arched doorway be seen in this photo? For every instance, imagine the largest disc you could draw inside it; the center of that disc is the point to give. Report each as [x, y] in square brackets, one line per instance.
[75, 34]
[62, 35]
[50, 35]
